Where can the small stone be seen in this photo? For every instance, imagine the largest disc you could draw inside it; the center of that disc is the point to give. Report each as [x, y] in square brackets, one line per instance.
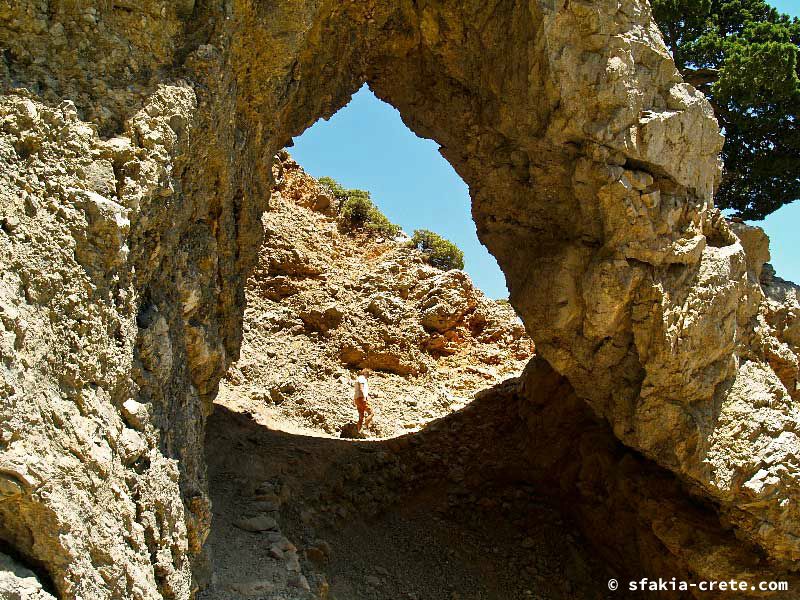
[292, 562]
[257, 524]
[10, 224]
[135, 413]
[285, 545]
[373, 581]
[316, 555]
[31, 205]
[9, 486]
[274, 537]
[300, 582]
[131, 446]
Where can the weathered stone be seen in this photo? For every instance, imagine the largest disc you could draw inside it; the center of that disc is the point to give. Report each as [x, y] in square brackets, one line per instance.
[450, 297]
[10, 485]
[299, 581]
[19, 583]
[257, 524]
[591, 167]
[323, 319]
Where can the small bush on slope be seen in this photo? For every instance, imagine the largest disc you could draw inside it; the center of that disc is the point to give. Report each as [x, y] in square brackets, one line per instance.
[442, 253]
[336, 189]
[356, 209]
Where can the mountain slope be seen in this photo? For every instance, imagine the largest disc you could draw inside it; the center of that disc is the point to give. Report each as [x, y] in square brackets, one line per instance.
[326, 301]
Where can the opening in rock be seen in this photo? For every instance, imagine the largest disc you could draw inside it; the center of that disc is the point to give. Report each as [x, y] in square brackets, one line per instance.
[436, 502]
[337, 290]
[366, 145]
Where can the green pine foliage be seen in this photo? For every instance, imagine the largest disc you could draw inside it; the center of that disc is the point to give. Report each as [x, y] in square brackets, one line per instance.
[357, 208]
[358, 211]
[744, 56]
[441, 253]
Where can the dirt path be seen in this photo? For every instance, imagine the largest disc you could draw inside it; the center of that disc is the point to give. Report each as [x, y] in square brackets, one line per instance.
[369, 520]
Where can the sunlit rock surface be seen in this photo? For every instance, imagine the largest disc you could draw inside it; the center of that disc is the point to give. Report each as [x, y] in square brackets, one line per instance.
[136, 142]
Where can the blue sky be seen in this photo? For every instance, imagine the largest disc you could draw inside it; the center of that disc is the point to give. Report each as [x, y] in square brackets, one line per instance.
[366, 145]
[791, 7]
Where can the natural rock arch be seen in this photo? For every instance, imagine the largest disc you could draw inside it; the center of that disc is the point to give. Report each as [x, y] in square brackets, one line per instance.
[591, 167]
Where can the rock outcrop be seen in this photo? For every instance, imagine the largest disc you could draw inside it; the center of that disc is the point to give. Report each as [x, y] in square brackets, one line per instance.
[432, 338]
[86, 360]
[19, 583]
[136, 142]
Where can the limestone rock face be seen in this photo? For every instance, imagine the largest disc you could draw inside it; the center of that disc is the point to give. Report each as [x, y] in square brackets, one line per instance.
[113, 339]
[80, 427]
[19, 583]
[432, 339]
[448, 299]
[136, 141]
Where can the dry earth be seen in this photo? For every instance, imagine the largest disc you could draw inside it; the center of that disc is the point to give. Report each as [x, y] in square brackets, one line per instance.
[371, 520]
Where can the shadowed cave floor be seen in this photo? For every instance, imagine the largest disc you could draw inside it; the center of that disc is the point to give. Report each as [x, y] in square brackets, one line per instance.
[380, 520]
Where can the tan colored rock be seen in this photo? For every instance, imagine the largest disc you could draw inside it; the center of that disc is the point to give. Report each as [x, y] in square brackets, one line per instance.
[257, 524]
[19, 583]
[136, 141]
[756, 247]
[450, 296]
[300, 352]
[780, 328]
[70, 306]
[322, 319]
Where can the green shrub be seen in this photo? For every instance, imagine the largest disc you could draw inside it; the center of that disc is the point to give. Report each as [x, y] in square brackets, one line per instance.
[357, 210]
[442, 254]
[335, 188]
[379, 223]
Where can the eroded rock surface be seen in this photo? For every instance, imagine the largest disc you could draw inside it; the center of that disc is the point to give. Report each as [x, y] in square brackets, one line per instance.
[431, 337]
[20, 583]
[82, 438]
[136, 142]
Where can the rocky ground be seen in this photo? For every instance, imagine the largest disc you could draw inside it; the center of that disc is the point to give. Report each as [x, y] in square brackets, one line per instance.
[374, 520]
[300, 512]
